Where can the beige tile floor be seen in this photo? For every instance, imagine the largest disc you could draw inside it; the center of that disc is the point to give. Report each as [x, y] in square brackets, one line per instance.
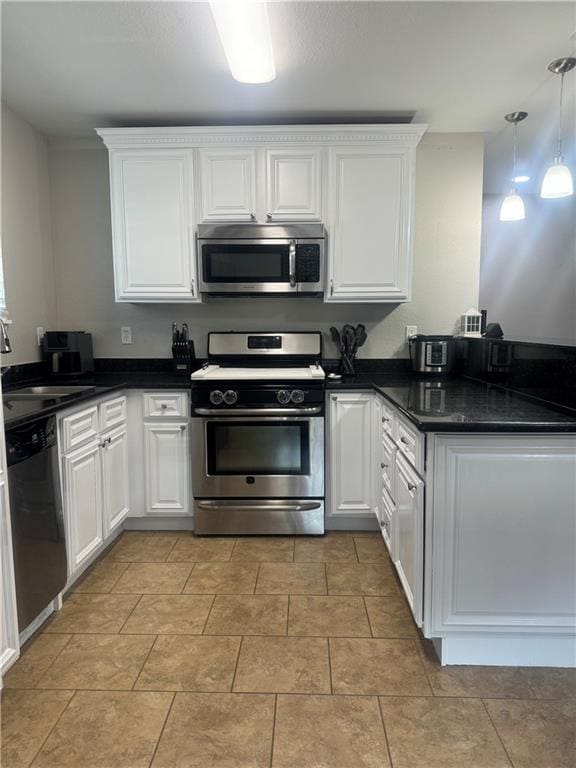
[178, 652]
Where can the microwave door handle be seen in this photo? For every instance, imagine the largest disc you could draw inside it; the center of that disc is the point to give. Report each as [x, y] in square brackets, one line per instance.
[292, 263]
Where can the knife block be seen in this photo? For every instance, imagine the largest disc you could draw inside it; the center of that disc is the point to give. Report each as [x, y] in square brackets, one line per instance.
[183, 355]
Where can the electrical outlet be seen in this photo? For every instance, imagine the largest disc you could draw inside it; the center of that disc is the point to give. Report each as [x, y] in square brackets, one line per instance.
[39, 335]
[411, 330]
[126, 334]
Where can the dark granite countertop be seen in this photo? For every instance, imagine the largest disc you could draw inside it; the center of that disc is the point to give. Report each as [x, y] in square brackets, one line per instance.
[18, 412]
[461, 404]
[449, 404]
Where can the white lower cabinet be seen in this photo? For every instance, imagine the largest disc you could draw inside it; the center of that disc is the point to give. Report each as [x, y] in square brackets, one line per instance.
[83, 503]
[167, 467]
[115, 470]
[351, 454]
[409, 534]
[503, 540]
[95, 479]
[9, 642]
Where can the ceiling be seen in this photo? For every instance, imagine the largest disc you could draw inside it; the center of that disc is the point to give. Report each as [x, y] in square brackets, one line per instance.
[68, 67]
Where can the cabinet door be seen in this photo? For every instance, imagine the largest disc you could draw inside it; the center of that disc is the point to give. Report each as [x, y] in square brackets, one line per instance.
[351, 454]
[152, 218]
[409, 535]
[228, 184]
[167, 468]
[115, 473]
[83, 503]
[293, 185]
[370, 204]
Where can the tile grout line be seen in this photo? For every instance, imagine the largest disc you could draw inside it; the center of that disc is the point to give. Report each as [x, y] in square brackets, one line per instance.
[288, 616]
[136, 604]
[41, 747]
[273, 729]
[500, 739]
[257, 577]
[144, 662]
[368, 615]
[236, 665]
[385, 732]
[35, 687]
[208, 617]
[162, 730]
[330, 666]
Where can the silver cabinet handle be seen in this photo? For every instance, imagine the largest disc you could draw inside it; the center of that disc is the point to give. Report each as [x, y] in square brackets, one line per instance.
[182, 427]
[331, 287]
[269, 217]
[382, 465]
[292, 263]
[164, 406]
[381, 523]
[404, 440]
[253, 217]
[385, 419]
[192, 288]
[411, 487]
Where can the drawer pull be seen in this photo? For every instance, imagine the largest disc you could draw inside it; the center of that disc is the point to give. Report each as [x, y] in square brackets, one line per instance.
[385, 419]
[405, 440]
[164, 406]
[381, 523]
[383, 466]
[411, 487]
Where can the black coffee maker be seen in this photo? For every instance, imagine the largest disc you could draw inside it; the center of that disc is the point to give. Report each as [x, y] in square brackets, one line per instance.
[68, 353]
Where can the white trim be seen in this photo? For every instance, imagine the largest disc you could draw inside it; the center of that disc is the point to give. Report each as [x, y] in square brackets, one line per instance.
[509, 651]
[192, 136]
[149, 523]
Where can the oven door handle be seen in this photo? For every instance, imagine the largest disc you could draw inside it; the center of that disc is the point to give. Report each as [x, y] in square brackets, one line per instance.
[297, 506]
[309, 411]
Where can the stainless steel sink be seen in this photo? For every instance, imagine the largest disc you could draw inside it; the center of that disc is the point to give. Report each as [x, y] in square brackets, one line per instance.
[44, 393]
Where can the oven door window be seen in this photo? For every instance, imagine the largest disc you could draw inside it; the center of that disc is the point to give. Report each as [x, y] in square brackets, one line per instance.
[229, 263]
[258, 448]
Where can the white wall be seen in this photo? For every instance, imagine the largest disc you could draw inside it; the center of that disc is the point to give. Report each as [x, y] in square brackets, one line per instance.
[446, 262]
[26, 236]
[528, 270]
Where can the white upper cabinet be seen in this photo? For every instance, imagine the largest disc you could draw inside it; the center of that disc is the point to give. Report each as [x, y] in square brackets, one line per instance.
[357, 179]
[370, 206]
[152, 224]
[228, 184]
[294, 184]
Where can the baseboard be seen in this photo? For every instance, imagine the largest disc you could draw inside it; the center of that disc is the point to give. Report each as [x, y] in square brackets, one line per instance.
[159, 523]
[507, 650]
[351, 523]
[27, 633]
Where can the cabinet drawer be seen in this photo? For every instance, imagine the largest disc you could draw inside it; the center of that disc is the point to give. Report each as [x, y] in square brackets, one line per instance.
[163, 404]
[388, 464]
[112, 413]
[79, 428]
[410, 442]
[387, 420]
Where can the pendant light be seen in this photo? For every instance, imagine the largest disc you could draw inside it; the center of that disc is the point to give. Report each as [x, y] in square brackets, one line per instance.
[558, 180]
[512, 208]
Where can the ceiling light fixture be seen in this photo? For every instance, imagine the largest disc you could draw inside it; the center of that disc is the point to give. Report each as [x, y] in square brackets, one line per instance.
[512, 208]
[557, 181]
[521, 178]
[245, 37]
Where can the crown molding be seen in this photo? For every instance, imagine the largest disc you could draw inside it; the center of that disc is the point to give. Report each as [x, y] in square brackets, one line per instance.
[190, 137]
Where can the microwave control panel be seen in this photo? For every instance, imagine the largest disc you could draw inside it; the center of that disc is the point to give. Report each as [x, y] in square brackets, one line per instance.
[308, 263]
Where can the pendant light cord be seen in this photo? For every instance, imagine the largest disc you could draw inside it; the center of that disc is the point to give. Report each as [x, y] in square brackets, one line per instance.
[560, 115]
[515, 150]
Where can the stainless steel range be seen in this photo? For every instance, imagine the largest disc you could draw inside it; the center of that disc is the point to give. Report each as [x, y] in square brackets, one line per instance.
[258, 435]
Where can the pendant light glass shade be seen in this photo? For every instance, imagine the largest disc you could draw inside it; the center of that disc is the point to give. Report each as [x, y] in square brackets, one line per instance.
[558, 181]
[512, 208]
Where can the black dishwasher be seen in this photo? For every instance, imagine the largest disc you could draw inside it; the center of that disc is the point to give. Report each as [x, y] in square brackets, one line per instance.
[38, 539]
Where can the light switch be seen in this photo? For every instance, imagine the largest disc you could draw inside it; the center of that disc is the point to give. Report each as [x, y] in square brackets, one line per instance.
[126, 334]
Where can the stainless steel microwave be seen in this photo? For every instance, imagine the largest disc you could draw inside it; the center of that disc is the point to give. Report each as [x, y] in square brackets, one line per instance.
[254, 259]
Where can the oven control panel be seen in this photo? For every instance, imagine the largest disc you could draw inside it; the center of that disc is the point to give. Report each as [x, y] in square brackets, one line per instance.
[229, 395]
